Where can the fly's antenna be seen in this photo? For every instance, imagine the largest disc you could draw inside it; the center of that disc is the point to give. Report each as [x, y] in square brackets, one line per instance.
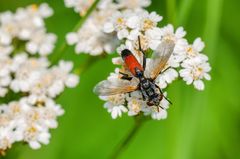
[160, 107]
[163, 95]
[167, 100]
[140, 49]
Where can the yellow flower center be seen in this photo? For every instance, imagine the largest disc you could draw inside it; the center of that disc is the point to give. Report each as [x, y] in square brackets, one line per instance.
[34, 7]
[198, 73]
[169, 37]
[135, 105]
[16, 108]
[32, 130]
[148, 24]
[116, 99]
[120, 20]
[34, 116]
[120, 23]
[191, 51]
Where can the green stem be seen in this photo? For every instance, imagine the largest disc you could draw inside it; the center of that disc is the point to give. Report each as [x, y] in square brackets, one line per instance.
[184, 11]
[60, 52]
[139, 120]
[171, 11]
[87, 64]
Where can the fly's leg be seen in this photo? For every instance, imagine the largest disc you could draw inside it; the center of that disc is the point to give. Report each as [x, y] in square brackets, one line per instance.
[144, 95]
[125, 76]
[161, 97]
[163, 94]
[140, 49]
[158, 107]
[144, 98]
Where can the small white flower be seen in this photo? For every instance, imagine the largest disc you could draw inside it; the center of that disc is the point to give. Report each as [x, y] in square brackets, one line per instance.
[5, 74]
[114, 105]
[117, 111]
[35, 135]
[162, 114]
[133, 22]
[90, 38]
[5, 139]
[194, 70]
[5, 50]
[41, 43]
[27, 73]
[108, 27]
[149, 21]
[128, 45]
[62, 72]
[3, 92]
[134, 4]
[118, 21]
[166, 78]
[117, 60]
[5, 66]
[5, 38]
[158, 113]
[45, 11]
[194, 49]
[80, 6]
[168, 33]
[135, 104]
[72, 38]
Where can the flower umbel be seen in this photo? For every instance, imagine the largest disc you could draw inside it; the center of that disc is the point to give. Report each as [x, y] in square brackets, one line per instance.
[91, 38]
[168, 57]
[27, 77]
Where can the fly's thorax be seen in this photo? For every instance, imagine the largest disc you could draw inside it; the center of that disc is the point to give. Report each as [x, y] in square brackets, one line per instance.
[139, 74]
[145, 83]
[148, 87]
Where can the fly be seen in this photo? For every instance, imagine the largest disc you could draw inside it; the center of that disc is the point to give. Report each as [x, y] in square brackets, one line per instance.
[141, 78]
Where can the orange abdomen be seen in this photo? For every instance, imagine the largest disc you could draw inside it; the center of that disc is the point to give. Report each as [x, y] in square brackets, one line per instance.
[132, 63]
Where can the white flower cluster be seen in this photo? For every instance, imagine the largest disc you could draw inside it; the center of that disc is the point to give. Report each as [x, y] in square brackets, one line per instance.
[90, 38]
[27, 24]
[80, 6]
[186, 62]
[28, 84]
[29, 122]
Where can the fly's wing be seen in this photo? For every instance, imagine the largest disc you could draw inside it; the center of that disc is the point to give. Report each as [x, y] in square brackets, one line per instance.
[159, 58]
[113, 87]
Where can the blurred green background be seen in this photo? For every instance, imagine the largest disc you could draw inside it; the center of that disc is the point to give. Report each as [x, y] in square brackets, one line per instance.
[200, 125]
